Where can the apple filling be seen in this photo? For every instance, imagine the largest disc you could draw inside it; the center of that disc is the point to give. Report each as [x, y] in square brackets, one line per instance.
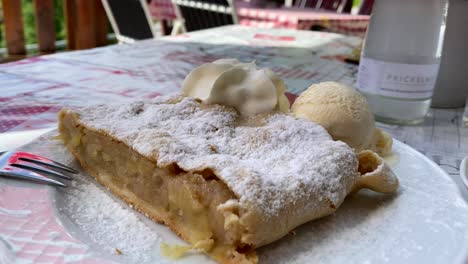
[191, 203]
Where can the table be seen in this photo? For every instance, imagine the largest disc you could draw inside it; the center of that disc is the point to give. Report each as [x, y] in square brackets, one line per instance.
[34, 90]
[302, 18]
[162, 9]
[286, 17]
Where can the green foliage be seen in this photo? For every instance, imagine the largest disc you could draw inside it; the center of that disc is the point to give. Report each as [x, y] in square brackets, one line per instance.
[29, 21]
[59, 20]
[2, 38]
[356, 3]
[2, 35]
[30, 25]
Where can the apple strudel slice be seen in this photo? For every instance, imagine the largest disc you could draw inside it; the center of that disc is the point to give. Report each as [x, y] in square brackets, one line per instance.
[226, 185]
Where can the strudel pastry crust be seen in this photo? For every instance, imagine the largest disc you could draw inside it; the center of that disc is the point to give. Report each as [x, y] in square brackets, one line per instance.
[223, 184]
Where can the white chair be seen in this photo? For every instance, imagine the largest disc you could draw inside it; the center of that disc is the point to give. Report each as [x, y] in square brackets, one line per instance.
[203, 14]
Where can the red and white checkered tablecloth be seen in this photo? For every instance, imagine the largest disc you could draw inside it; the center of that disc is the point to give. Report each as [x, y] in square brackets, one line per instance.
[350, 27]
[162, 9]
[263, 18]
[33, 90]
[304, 19]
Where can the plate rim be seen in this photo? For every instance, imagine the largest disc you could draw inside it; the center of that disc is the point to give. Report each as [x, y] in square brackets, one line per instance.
[462, 256]
[433, 165]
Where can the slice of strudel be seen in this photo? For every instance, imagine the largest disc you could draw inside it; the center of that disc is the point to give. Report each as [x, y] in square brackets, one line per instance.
[225, 184]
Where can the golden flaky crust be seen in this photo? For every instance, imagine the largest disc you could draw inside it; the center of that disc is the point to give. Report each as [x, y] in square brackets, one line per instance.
[281, 171]
[247, 256]
[140, 207]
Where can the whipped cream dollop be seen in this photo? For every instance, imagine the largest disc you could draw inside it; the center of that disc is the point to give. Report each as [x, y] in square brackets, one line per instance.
[244, 86]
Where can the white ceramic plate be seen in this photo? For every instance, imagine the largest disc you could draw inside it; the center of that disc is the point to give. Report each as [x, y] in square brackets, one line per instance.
[425, 222]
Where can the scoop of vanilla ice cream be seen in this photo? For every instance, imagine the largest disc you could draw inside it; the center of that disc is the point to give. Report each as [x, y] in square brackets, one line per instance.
[244, 86]
[344, 113]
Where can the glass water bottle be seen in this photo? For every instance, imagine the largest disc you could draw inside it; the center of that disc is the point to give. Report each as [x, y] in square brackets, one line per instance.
[400, 59]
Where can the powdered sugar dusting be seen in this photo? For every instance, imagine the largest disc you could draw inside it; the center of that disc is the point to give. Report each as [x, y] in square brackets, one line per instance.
[108, 223]
[269, 166]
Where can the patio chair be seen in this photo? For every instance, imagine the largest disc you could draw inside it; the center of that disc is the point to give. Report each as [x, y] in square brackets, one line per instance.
[366, 7]
[340, 6]
[130, 19]
[203, 14]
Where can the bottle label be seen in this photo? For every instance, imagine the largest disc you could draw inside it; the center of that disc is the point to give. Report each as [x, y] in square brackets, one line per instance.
[411, 81]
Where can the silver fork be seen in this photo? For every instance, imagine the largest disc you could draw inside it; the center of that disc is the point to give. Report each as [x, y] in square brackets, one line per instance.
[28, 166]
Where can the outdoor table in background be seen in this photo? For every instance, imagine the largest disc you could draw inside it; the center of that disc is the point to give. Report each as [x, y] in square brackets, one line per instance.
[302, 18]
[269, 17]
[162, 9]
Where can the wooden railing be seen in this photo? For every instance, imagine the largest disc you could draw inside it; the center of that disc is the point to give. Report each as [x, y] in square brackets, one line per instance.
[86, 25]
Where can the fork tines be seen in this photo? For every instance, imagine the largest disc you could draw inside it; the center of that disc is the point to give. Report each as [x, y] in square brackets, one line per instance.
[25, 165]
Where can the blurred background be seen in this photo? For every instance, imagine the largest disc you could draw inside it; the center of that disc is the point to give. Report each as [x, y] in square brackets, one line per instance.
[30, 33]
[29, 25]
